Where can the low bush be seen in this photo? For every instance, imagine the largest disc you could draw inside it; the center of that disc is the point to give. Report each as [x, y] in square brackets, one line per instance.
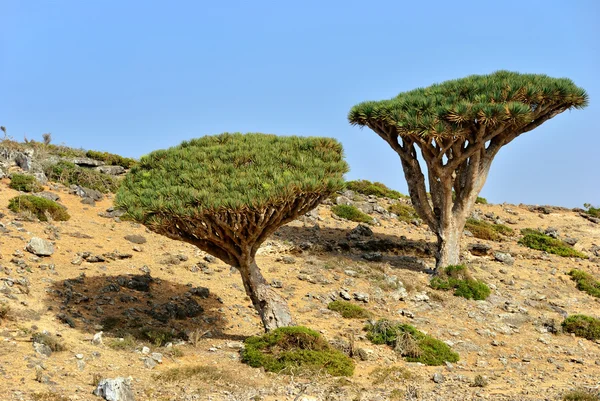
[581, 395]
[25, 183]
[582, 326]
[412, 344]
[68, 174]
[488, 231]
[348, 310]
[4, 311]
[586, 282]
[405, 213]
[592, 211]
[205, 373]
[481, 201]
[350, 212]
[537, 240]
[390, 374]
[111, 159]
[378, 189]
[295, 350]
[40, 207]
[457, 278]
[53, 342]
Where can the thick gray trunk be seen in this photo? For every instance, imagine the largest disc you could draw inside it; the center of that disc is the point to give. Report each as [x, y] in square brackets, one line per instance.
[448, 250]
[272, 308]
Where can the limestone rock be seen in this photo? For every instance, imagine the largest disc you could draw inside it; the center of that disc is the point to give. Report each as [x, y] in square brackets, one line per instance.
[40, 247]
[118, 389]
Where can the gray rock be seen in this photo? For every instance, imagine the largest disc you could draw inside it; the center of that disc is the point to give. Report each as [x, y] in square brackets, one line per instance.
[86, 192]
[88, 201]
[150, 363]
[97, 339]
[25, 160]
[136, 239]
[111, 212]
[504, 257]
[345, 295]
[571, 241]
[86, 162]
[111, 170]
[359, 231]
[361, 296]
[40, 247]
[342, 200]
[373, 256]
[420, 297]
[118, 389]
[42, 349]
[48, 195]
[157, 356]
[438, 377]
[552, 232]
[479, 249]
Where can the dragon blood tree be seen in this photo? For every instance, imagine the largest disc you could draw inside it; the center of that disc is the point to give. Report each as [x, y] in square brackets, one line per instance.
[459, 126]
[226, 194]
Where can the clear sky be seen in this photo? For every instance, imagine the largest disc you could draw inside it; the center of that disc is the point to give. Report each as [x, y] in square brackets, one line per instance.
[131, 76]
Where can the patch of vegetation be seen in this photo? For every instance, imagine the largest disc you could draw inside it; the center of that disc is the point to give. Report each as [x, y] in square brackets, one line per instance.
[414, 345]
[586, 282]
[53, 342]
[348, 310]
[351, 213]
[592, 211]
[206, 373]
[382, 375]
[488, 231]
[479, 381]
[69, 173]
[378, 189]
[48, 396]
[156, 336]
[125, 343]
[25, 183]
[582, 326]
[480, 200]
[4, 311]
[111, 159]
[537, 240]
[581, 395]
[457, 278]
[405, 213]
[295, 350]
[40, 207]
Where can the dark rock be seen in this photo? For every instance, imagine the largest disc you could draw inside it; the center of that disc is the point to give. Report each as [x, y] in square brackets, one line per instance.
[373, 256]
[48, 195]
[136, 282]
[201, 292]
[88, 201]
[359, 231]
[87, 192]
[210, 258]
[552, 232]
[479, 249]
[176, 310]
[111, 213]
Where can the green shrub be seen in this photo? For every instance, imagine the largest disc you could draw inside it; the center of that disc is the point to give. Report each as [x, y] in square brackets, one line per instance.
[111, 159]
[25, 183]
[4, 311]
[53, 342]
[581, 395]
[40, 207]
[378, 189]
[582, 326]
[348, 310]
[458, 278]
[405, 213]
[537, 240]
[481, 201]
[121, 344]
[295, 349]
[488, 231]
[350, 212]
[68, 174]
[586, 282]
[414, 345]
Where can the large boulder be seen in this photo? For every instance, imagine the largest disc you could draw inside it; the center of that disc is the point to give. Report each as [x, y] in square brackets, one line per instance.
[40, 247]
[118, 389]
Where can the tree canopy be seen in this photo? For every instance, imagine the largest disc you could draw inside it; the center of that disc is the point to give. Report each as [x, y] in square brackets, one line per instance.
[458, 107]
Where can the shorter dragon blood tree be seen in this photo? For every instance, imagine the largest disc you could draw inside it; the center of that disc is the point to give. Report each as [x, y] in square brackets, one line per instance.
[226, 194]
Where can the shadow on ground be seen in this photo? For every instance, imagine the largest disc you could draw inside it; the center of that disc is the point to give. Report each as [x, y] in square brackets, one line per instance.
[359, 244]
[147, 308]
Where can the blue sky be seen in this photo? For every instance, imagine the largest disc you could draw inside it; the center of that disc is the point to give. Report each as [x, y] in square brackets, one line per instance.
[130, 76]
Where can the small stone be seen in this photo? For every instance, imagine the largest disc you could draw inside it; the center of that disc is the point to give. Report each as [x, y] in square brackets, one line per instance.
[361, 296]
[505, 258]
[97, 339]
[145, 350]
[438, 377]
[345, 295]
[42, 349]
[420, 297]
[157, 356]
[235, 345]
[79, 356]
[40, 247]
[150, 363]
[288, 260]
[136, 239]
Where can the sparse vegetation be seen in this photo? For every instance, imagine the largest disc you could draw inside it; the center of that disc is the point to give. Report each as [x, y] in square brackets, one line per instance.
[582, 326]
[40, 207]
[586, 282]
[480, 381]
[111, 159]
[206, 373]
[48, 396]
[4, 311]
[349, 310]
[404, 212]
[487, 231]
[124, 343]
[581, 395]
[412, 344]
[25, 183]
[53, 342]
[480, 200]
[592, 211]
[457, 278]
[68, 174]
[295, 349]
[393, 374]
[535, 239]
[351, 213]
[378, 189]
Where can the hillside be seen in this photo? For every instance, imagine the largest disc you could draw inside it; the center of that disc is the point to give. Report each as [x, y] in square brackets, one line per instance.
[182, 315]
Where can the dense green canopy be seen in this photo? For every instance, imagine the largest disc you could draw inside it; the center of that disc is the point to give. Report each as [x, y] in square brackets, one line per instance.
[233, 172]
[458, 107]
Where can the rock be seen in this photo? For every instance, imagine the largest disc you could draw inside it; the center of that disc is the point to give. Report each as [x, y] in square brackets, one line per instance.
[361, 296]
[438, 377]
[157, 356]
[210, 259]
[201, 292]
[479, 249]
[288, 260]
[373, 256]
[136, 239]
[88, 201]
[359, 231]
[40, 247]
[504, 257]
[118, 389]
[86, 162]
[342, 200]
[97, 339]
[145, 350]
[551, 232]
[111, 213]
[111, 170]
[42, 349]
[345, 295]
[420, 297]
[570, 241]
[48, 195]
[87, 192]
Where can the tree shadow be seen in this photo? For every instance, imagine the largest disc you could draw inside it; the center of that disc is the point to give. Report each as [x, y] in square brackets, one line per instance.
[146, 308]
[359, 244]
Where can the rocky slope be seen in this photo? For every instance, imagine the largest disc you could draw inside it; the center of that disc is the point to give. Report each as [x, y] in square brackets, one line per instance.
[176, 307]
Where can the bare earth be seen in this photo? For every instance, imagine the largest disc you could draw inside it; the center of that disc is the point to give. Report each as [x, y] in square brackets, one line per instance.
[505, 339]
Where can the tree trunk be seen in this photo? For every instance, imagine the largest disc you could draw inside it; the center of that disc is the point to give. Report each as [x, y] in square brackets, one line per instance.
[448, 250]
[272, 308]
